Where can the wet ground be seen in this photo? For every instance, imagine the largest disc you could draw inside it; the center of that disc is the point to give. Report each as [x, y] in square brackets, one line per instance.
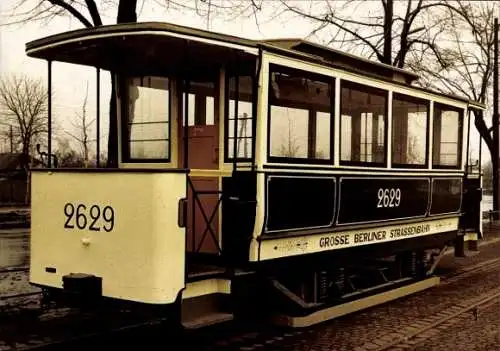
[14, 248]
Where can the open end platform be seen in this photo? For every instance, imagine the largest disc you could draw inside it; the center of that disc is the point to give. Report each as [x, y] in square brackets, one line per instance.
[353, 306]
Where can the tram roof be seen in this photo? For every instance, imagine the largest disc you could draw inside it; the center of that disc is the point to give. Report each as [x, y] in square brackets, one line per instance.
[139, 44]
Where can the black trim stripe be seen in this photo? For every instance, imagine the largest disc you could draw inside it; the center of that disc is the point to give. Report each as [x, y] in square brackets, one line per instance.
[333, 169]
[110, 170]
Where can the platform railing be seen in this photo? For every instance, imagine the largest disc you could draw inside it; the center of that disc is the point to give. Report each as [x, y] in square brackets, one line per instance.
[207, 220]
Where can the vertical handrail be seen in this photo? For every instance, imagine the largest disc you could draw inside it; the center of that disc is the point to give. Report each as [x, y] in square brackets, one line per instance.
[235, 129]
[186, 121]
[98, 117]
[49, 114]
[193, 215]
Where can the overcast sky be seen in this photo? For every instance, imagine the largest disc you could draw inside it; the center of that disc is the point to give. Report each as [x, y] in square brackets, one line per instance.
[69, 81]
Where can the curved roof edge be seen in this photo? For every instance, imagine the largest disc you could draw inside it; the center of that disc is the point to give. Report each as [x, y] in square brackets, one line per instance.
[304, 47]
[297, 46]
[134, 27]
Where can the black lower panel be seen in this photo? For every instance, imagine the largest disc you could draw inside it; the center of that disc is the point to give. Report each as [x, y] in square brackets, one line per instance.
[299, 202]
[446, 195]
[375, 199]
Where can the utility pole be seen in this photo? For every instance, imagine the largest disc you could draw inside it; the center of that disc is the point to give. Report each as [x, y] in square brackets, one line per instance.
[495, 158]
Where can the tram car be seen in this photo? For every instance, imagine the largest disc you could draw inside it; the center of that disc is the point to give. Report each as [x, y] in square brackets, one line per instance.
[252, 176]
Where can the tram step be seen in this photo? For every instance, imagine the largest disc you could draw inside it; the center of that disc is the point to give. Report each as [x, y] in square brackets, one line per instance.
[207, 320]
[205, 310]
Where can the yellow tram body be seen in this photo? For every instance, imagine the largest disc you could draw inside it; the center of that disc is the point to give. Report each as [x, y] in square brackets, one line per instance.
[133, 243]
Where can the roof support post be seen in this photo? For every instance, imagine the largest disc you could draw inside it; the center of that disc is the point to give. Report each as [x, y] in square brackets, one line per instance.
[235, 132]
[49, 115]
[186, 120]
[98, 116]
[255, 102]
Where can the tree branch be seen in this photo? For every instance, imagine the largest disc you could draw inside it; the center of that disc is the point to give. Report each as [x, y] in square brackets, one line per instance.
[330, 19]
[94, 13]
[72, 11]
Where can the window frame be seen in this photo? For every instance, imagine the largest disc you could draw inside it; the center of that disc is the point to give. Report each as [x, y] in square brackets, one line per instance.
[124, 118]
[227, 112]
[368, 88]
[460, 139]
[331, 81]
[409, 98]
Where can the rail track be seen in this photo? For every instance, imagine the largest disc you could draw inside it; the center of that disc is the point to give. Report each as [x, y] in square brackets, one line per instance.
[439, 321]
[484, 266]
[250, 336]
[15, 269]
[18, 299]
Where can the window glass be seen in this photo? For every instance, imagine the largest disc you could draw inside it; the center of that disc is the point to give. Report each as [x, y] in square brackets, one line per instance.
[362, 124]
[447, 136]
[201, 104]
[300, 115]
[148, 118]
[245, 119]
[409, 130]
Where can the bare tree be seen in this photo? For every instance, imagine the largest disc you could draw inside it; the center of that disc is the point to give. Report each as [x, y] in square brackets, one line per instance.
[82, 127]
[465, 64]
[67, 157]
[290, 146]
[385, 33]
[23, 102]
[46, 10]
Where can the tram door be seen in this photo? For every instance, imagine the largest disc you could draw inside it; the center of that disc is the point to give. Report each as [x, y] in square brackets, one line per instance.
[202, 225]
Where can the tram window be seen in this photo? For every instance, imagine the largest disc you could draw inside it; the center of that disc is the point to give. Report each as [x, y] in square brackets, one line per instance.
[300, 115]
[148, 119]
[447, 132]
[201, 104]
[245, 120]
[409, 131]
[362, 125]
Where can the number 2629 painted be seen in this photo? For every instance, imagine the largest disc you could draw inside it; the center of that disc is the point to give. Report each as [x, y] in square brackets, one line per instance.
[94, 218]
[389, 197]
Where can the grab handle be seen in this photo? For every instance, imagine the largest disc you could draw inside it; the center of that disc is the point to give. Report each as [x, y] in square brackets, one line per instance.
[182, 213]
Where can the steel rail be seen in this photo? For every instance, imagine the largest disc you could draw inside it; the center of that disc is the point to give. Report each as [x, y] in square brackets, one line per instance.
[14, 269]
[482, 301]
[478, 267]
[13, 296]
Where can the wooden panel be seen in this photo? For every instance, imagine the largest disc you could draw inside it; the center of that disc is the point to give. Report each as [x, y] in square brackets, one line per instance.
[199, 239]
[203, 147]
